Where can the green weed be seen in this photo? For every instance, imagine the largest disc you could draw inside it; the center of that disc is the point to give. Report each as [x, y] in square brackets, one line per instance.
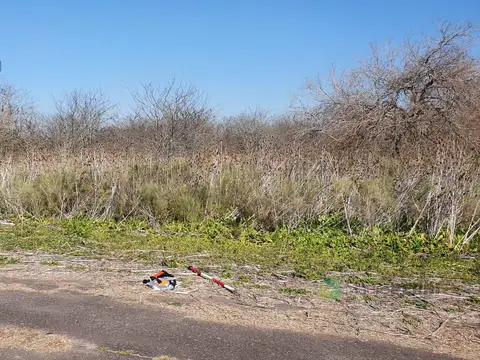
[312, 252]
[418, 304]
[49, 263]
[259, 286]
[294, 291]
[474, 300]
[77, 267]
[8, 261]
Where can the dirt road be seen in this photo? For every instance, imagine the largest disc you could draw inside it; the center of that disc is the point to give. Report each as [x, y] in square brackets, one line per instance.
[78, 308]
[148, 332]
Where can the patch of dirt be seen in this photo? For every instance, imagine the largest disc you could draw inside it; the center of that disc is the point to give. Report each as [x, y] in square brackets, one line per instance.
[33, 340]
[441, 322]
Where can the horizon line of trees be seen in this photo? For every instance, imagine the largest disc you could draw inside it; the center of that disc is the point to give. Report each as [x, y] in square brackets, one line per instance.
[401, 102]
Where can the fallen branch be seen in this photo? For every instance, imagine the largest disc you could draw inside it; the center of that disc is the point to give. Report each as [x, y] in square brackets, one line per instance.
[442, 325]
[450, 296]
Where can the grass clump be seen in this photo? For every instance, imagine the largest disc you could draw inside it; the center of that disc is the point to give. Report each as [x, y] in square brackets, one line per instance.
[50, 263]
[294, 291]
[8, 261]
[474, 300]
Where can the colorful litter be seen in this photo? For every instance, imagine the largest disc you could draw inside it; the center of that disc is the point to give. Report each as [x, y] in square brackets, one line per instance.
[208, 277]
[161, 281]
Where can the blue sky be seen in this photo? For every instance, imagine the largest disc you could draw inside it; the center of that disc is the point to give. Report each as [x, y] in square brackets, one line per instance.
[243, 53]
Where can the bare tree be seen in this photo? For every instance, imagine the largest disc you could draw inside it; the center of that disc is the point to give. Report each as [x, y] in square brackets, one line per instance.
[79, 117]
[18, 119]
[406, 98]
[172, 119]
[246, 132]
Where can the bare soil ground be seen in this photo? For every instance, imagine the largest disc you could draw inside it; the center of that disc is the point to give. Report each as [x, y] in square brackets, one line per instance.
[438, 321]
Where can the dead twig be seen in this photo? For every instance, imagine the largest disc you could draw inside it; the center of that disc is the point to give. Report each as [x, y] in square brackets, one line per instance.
[440, 327]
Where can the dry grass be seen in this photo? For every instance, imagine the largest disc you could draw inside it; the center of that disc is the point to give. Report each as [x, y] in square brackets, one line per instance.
[268, 191]
[33, 340]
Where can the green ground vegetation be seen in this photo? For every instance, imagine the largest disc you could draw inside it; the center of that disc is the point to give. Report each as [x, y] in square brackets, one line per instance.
[311, 252]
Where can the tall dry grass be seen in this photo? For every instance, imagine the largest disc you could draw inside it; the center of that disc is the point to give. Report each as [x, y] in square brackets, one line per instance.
[269, 190]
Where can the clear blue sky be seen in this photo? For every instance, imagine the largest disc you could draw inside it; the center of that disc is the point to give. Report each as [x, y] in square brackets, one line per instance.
[243, 53]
